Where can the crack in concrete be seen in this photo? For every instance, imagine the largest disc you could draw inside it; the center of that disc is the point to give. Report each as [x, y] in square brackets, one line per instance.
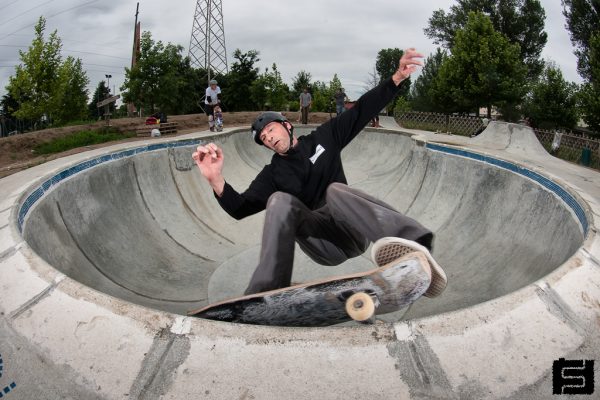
[591, 257]
[423, 373]
[34, 300]
[167, 353]
[559, 308]
[8, 253]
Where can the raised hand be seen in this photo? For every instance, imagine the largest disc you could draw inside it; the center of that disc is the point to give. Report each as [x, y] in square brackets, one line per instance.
[209, 160]
[409, 62]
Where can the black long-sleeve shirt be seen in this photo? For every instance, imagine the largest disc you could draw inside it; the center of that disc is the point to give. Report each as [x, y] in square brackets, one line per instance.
[313, 164]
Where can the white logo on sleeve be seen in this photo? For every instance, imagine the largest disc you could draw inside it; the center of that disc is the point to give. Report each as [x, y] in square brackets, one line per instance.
[319, 150]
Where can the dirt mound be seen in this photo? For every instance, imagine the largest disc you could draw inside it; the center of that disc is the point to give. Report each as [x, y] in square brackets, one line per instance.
[16, 152]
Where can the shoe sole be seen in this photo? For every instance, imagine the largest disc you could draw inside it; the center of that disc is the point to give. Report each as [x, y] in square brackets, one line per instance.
[388, 249]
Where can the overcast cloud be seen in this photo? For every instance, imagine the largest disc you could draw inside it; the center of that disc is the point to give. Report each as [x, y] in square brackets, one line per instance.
[322, 37]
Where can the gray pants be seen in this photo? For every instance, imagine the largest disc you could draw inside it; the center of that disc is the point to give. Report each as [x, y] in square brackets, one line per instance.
[304, 112]
[330, 235]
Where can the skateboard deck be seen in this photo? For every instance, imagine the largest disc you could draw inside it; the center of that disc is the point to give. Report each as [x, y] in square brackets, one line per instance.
[358, 296]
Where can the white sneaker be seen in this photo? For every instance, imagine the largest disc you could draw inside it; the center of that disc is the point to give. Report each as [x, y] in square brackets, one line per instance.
[388, 249]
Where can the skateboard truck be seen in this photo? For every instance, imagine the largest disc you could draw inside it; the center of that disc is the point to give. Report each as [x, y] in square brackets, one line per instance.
[361, 307]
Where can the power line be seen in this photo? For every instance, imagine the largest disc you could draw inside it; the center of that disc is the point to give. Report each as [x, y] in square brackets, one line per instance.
[72, 8]
[70, 51]
[96, 54]
[25, 12]
[111, 46]
[9, 4]
[105, 70]
[106, 66]
[51, 16]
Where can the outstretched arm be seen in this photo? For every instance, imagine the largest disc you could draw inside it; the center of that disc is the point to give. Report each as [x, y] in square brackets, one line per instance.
[347, 125]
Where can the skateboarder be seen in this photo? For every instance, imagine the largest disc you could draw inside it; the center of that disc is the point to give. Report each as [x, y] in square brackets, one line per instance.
[212, 98]
[306, 197]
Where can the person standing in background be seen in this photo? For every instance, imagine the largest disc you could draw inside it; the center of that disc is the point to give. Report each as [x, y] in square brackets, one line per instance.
[340, 99]
[212, 99]
[305, 103]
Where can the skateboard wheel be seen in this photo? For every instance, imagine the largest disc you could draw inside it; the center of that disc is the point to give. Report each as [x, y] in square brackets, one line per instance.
[360, 307]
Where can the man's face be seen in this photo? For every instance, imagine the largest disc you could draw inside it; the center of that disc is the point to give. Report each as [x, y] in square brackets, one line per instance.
[276, 137]
[213, 86]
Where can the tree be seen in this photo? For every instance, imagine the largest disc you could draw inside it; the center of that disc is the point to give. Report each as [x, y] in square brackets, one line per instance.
[589, 98]
[269, 91]
[243, 73]
[157, 79]
[193, 87]
[35, 82]
[484, 69]
[521, 21]
[321, 97]
[421, 97]
[583, 22]
[70, 99]
[552, 103]
[589, 95]
[372, 80]
[335, 84]
[8, 106]
[100, 94]
[46, 87]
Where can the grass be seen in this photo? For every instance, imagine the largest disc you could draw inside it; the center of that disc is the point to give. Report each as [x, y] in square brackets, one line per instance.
[573, 155]
[80, 139]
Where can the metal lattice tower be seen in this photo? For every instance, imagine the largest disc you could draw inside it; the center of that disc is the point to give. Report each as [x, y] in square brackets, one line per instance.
[207, 44]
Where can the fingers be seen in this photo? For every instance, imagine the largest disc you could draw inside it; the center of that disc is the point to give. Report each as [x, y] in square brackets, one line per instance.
[412, 53]
[411, 57]
[409, 62]
[211, 150]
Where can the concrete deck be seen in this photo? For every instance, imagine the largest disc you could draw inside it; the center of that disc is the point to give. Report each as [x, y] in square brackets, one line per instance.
[97, 274]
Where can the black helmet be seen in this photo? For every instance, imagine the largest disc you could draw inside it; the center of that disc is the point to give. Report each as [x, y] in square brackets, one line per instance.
[263, 120]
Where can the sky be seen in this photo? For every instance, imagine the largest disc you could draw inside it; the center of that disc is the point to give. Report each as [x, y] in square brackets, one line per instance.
[324, 37]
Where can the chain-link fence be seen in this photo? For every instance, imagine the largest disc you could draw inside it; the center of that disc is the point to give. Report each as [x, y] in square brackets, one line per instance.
[571, 146]
[454, 124]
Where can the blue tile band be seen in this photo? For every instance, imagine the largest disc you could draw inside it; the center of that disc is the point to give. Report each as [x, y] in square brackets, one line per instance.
[4, 391]
[542, 180]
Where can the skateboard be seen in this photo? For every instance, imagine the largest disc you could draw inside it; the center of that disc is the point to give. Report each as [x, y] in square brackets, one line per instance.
[218, 122]
[358, 297]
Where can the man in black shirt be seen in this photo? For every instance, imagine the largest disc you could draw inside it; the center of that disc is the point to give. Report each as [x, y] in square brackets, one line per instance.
[306, 197]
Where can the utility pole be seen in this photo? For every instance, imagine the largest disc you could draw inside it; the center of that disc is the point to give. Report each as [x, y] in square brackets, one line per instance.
[207, 43]
[134, 54]
[136, 34]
